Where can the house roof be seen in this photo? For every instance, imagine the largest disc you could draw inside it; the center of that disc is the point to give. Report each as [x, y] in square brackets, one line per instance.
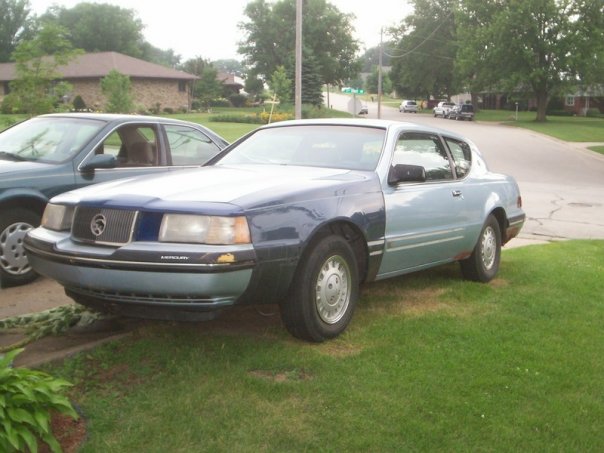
[96, 65]
[230, 79]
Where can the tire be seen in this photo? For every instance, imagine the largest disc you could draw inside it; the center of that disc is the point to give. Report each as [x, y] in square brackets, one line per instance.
[483, 264]
[324, 291]
[14, 266]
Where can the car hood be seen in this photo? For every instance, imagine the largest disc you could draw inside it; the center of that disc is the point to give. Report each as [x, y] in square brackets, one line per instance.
[246, 186]
[16, 167]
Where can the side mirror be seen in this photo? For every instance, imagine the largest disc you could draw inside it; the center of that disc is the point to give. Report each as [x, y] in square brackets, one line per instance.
[406, 173]
[100, 161]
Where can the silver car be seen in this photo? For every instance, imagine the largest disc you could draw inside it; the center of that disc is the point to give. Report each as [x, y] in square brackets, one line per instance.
[297, 213]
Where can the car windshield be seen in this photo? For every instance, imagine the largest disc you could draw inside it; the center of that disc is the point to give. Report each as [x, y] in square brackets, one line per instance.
[47, 139]
[347, 147]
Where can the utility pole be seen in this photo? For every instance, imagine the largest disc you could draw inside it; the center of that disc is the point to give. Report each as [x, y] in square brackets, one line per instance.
[379, 113]
[298, 76]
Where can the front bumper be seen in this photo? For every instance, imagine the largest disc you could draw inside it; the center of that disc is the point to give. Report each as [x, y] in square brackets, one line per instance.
[162, 275]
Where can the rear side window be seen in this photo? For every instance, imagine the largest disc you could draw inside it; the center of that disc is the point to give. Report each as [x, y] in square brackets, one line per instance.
[462, 156]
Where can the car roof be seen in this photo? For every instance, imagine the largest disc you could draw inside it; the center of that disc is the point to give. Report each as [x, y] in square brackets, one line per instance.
[114, 117]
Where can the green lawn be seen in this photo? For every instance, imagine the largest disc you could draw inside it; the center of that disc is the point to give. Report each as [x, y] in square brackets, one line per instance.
[429, 363]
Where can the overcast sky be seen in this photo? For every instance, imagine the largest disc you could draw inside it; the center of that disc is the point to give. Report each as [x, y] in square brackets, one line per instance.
[208, 29]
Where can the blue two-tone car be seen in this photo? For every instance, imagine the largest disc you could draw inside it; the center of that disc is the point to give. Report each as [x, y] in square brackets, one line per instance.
[297, 213]
[50, 154]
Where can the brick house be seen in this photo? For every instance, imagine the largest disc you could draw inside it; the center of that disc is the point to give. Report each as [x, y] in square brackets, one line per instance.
[581, 101]
[153, 85]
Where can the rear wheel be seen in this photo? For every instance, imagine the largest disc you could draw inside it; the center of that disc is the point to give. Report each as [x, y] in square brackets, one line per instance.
[14, 265]
[324, 291]
[483, 264]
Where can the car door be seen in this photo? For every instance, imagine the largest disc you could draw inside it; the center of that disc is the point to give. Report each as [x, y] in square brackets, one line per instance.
[425, 221]
[188, 146]
[137, 151]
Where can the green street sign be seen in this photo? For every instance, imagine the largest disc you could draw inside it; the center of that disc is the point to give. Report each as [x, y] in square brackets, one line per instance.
[353, 90]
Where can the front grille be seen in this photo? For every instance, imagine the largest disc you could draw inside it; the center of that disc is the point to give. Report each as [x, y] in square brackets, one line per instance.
[103, 226]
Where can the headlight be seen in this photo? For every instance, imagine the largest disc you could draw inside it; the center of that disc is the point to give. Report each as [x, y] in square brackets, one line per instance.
[204, 229]
[57, 217]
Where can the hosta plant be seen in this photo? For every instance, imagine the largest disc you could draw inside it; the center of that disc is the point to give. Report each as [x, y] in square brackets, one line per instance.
[27, 398]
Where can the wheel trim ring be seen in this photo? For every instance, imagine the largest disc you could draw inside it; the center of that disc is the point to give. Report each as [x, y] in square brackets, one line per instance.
[12, 252]
[333, 289]
[488, 248]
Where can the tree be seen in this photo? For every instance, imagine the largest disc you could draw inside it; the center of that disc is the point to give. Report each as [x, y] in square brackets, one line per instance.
[37, 61]
[533, 46]
[254, 86]
[281, 85]
[312, 85]
[327, 36]
[424, 55]
[14, 24]
[117, 88]
[100, 27]
[208, 87]
[371, 84]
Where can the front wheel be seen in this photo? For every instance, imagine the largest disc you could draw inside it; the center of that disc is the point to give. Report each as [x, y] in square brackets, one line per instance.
[14, 265]
[324, 292]
[483, 264]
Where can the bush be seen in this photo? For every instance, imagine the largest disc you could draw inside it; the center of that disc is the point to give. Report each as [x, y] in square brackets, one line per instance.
[27, 398]
[79, 104]
[10, 105]
[236, 118]
[237, 100]
[221, 102]
[168, 110]
[593, 113]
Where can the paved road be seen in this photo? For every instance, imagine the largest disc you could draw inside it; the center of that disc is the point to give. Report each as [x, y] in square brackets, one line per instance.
[562, 183]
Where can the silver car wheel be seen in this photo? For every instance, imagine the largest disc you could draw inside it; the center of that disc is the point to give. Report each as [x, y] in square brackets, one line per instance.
[12, 254]
[333, 289]
[488, 248]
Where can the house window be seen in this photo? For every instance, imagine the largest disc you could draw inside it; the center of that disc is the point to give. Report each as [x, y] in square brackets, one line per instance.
[570, 101]
[182, 86]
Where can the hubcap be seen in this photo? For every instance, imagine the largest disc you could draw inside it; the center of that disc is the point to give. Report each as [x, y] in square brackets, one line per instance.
[12, 254]
[488, 248]
[333, 289]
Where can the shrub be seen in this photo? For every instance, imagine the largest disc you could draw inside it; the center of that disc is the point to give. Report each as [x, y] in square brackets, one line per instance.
[221, 102]
[79, 104]
[237, 100]
[27, 398]
[237, 118]
[168, 110]
[593, 113]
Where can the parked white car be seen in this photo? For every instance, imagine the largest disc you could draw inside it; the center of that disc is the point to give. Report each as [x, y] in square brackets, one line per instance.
[442, 109]
[408, 106]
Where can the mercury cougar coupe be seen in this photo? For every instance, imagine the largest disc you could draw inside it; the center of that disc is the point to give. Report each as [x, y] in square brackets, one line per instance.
[297, 213]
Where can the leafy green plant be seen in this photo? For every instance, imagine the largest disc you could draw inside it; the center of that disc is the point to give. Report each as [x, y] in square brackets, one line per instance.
[27, 398]
[49, 322]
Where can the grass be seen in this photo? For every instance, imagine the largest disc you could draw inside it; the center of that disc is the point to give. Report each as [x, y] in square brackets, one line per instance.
[429, 363]
[597, 149]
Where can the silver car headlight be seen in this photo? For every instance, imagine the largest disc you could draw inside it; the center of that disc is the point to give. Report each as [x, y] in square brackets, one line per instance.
[201, 229]
[57, 217]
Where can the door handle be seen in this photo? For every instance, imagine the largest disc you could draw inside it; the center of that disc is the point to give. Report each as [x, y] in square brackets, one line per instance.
[457, 193]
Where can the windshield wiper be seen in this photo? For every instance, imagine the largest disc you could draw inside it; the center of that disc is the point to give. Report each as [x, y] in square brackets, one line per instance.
[10, 156]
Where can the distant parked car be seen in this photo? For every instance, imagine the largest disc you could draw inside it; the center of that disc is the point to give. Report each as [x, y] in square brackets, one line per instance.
[51, 154]
[442, 109]
[461, 112]
[364, 110]
[297, 213]
[408, 106]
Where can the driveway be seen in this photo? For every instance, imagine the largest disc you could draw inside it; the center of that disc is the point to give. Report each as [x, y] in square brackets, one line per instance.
[561, 183]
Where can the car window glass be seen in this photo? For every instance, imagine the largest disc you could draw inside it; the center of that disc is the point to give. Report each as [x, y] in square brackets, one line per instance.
[462, 156]
[50, 139]
[424, 150]
[188, 146]
[354, 148]
[132, 146]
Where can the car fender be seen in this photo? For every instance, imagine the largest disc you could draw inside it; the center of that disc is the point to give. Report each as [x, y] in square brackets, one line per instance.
[11, 195]
[279, 248]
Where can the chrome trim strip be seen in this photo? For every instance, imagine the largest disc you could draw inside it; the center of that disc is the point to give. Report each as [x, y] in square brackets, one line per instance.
[423, 244]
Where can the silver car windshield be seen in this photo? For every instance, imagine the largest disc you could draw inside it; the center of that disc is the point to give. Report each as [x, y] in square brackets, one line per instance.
[347, 147]
[49, 140]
